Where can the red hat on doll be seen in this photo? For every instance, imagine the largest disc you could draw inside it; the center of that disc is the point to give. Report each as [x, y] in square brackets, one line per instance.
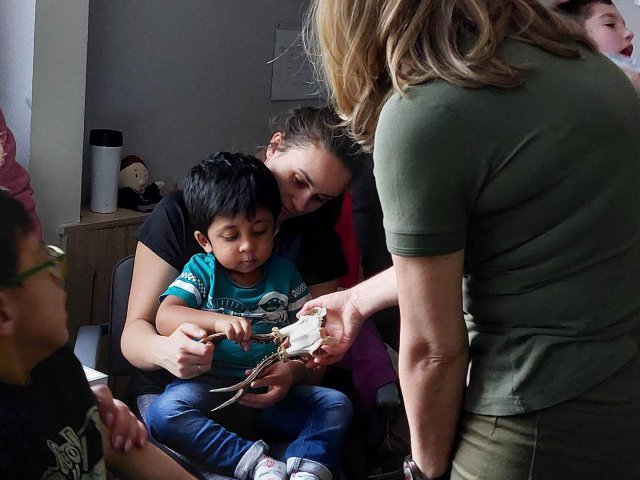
[130, 160]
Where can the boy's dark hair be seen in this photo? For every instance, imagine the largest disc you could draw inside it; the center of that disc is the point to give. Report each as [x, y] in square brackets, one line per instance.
[14, 225]
[227, 184]
[323, 128]
[581, 9]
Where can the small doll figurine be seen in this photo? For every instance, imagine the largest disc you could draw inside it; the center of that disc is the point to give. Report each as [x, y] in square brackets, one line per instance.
[134, 191]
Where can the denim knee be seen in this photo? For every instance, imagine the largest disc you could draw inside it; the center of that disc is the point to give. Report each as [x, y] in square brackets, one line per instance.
[161, 416]
[338, 405]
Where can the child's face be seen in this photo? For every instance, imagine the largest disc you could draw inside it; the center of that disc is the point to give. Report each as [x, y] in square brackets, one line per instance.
[606, 27]
[241, 245]
[38, 304]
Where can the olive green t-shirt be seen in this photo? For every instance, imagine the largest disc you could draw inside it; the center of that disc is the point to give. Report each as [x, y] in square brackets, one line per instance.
[541, 186]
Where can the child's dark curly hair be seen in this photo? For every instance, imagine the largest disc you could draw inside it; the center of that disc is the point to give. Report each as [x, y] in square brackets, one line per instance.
[227, 184]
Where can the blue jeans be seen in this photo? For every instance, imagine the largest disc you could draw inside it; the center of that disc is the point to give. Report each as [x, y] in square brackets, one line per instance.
[313, 419]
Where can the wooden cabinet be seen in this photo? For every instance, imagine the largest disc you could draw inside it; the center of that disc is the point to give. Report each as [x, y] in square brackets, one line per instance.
[94, 245]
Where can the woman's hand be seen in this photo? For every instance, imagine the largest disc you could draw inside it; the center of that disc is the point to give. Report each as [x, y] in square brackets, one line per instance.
[278, 379]
[348, 309]
[343, 322]
[126, 430]
[183, 356]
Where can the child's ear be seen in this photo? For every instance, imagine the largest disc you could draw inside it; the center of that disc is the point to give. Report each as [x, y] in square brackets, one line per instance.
[202, 240]
[274, 144]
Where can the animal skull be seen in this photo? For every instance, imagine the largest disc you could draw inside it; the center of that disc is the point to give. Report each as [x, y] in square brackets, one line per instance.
[304, 336]
[298, 340]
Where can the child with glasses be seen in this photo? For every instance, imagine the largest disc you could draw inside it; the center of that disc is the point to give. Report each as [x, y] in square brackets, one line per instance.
[50, 425]
[237, 286]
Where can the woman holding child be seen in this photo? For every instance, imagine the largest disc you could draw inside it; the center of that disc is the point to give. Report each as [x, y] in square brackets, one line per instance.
[507, 160]
[313, 163]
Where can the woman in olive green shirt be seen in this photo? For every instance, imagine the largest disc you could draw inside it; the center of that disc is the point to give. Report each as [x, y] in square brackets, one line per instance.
[508, 165]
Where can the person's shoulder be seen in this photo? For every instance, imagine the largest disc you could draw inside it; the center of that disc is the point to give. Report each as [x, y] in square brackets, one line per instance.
[433, 92]
[169, 213]
[423, 113]
[174, 201]
[202, 260]
[426, 102]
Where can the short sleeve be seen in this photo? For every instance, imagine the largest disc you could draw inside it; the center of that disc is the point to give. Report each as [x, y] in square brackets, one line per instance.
[169, 233]
[193, 284]
[425, 163]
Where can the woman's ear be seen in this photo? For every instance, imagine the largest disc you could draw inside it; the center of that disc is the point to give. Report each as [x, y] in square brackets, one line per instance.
[203, 241]
[276, 140]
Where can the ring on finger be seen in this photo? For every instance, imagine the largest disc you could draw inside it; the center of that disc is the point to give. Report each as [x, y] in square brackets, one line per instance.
[199, 369]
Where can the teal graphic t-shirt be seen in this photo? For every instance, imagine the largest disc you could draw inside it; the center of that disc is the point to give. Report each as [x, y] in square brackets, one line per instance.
[272, 302]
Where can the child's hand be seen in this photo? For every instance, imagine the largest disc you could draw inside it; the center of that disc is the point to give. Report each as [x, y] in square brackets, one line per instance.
[237, 329]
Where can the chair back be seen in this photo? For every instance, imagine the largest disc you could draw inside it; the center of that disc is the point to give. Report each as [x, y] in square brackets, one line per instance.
[119, 301]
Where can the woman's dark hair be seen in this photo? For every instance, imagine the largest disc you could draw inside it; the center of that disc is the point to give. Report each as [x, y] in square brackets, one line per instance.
[227, 184]
[15, 224]
[581, 9]
[323, 128]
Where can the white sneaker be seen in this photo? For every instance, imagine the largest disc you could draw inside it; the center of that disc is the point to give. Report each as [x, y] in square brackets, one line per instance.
[303, 476]
[269, 468]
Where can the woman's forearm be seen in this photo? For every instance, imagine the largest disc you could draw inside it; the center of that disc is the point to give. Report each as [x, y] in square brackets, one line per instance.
[376, 293]
[433, 354]
[432, 388]
[141, 344]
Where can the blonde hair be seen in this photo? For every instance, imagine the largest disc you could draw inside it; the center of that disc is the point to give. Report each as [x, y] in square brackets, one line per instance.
[368, 49]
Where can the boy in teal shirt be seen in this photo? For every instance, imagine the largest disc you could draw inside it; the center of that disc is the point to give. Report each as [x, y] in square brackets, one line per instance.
[239, 287]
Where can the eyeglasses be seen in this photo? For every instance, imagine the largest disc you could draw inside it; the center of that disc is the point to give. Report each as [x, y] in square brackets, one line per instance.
[56, 261]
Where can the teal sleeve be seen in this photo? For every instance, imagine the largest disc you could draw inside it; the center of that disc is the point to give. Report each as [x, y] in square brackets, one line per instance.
[192, 284]
[426, 161]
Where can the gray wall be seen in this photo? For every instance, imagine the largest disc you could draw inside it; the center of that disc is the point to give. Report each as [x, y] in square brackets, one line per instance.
[181, 78]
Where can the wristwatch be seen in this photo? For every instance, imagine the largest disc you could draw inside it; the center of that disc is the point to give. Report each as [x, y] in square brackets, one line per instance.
[411, 471]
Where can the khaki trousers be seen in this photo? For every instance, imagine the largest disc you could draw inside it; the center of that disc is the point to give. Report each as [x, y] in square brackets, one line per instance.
[595, 436]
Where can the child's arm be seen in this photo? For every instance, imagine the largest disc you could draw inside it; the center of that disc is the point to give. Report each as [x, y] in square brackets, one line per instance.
[173, 312]
[141, 462]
